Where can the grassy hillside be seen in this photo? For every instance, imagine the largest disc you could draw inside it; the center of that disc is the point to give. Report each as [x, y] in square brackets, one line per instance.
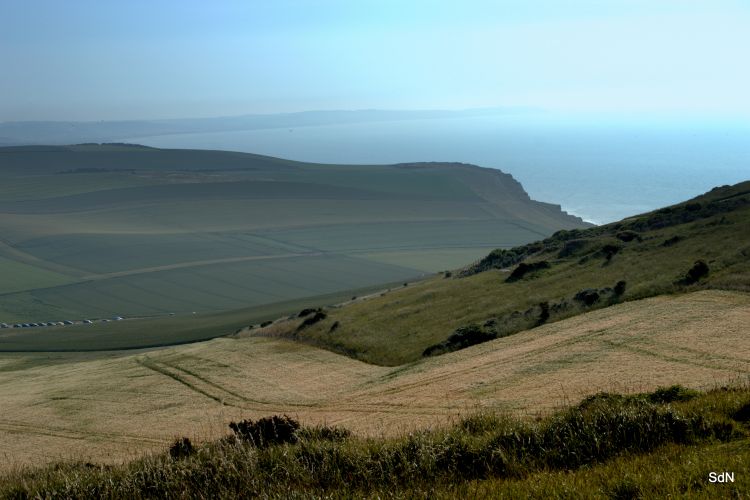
[108, 407]
[94, 231]
[569, 273]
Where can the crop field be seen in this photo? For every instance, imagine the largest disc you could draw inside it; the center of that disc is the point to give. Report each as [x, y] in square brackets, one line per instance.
[96, 231]
[115, 406]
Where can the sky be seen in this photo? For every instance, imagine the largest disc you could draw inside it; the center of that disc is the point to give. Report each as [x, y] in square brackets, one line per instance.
[136, 59]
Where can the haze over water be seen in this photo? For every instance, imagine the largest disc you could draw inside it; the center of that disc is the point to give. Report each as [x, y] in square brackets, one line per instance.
[599, 169]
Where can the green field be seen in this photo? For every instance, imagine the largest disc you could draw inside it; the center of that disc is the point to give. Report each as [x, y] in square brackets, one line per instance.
[95, 231]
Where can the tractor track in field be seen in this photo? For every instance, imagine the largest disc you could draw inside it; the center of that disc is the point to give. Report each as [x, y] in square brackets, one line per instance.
[197, 263]
[13, 426]
[216, 392]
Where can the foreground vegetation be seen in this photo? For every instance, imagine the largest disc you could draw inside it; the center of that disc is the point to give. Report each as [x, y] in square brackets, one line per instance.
[597, 448]
[106, 407]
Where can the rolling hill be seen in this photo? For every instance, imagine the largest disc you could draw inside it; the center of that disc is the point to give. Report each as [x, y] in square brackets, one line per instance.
[506, 375]
[659, 329]
[569, 273]
[103, 230]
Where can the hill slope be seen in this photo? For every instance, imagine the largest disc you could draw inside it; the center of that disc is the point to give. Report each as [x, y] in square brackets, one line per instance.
[561, 276]
[98, 230]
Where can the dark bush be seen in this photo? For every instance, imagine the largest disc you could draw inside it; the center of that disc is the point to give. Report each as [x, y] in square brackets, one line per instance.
[265, 324]
[334, 327]
[267, 431]
[743, 414]
[619, 288]
[311, 320]
[308, 311]
[181, 448]
[588, 296]
[523, 269]
[324, 433]
[572, 247]
[503, 258]
[671, 241]
[609, 250]
[601, 398]
[628, 236]
[671, 394]
[565, 235]
[448, 274]
[698, 271]
[463, 337]
[544, 315]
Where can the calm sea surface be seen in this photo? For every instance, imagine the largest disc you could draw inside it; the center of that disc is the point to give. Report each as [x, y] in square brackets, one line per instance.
[601, 171]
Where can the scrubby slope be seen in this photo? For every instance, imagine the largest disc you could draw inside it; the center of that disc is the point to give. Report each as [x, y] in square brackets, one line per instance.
[569, 273]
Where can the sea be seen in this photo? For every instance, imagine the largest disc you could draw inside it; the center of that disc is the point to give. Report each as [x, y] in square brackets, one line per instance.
[600, 168]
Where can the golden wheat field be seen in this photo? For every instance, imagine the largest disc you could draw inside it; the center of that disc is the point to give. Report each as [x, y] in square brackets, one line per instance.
[111, 407]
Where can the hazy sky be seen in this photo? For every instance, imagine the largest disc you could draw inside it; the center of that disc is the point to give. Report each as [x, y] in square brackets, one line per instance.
[103, 60]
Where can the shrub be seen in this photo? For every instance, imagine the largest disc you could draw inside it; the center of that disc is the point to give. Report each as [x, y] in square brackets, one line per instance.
[523, 269]
[671, 241]
[544, 315]
[502, 258]
[307, 311]
[695, 273]
[311, 320]
[588, 296]
[619, 288]
[627, 236]
[671, 394]
[324, 433]
[265, 324]
[267, 431]
[181, 448]
[743, 414]
[334, 327]
[463, 337]
[572, 247]
[609, 250]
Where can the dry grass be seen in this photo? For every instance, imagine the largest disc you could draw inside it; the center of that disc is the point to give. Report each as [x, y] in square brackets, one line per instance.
[110, 408]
